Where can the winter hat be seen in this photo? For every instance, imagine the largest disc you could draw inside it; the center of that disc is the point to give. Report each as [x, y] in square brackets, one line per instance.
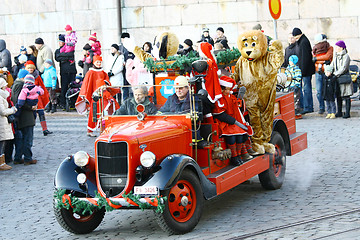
[296, 31]
[294, 59]
[220, 29]
[328, 68]
[97, 58]
[30, 65]
[341, 44]
[68, 28]
[181, 81]
[318, 38]
[49, 61]
[22, 49]
[125, 35]
[29, 79]
[188, 42]
[3, 83]
[22, 73]
[87, 47]
[205, 29]
[257, 27]
[93, 37]
[115, 46]
[61, 38]
[227, 82]
[206, 49]
[39, 41]
[22, 58]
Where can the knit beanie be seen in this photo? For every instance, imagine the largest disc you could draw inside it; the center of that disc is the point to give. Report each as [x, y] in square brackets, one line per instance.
[30, 65]
[115, 46]
[188, 42]
[49, 61]
[39, 41]
[205, 30]
[22, 58]
[93, 37]
[125, 35]
[22, 73]
[220, 29]
[61, 38]
[22, 49]
[318, 38]
[294, 59]
[328, 68]
[97, 58]
[296, 31]
[29, 79]
[68, 28]
[341, 44]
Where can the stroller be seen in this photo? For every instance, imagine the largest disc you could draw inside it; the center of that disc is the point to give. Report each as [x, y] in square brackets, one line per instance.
[73, 92]
[355, 77]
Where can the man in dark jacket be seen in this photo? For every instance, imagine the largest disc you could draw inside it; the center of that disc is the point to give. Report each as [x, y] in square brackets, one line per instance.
[24, 127]
[140, 97]
[67, 69]
[304, 52]
[289, 50]
[5, 56]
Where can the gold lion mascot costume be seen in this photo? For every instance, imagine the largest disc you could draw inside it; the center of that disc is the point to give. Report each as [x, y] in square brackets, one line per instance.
[256, 69]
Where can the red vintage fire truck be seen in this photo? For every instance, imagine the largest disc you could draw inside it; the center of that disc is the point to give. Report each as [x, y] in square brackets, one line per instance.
[151, 162]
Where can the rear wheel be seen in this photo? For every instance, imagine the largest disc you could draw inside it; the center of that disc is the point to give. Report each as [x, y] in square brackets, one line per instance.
[184, 205]
[273, 178]
[78, 223]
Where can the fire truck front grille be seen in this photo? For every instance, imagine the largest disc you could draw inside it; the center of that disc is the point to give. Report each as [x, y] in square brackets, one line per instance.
[112, 161]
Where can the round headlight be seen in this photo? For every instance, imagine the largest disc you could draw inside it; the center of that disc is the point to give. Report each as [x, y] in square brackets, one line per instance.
[81, 178]
[81, 158]
[147, 159]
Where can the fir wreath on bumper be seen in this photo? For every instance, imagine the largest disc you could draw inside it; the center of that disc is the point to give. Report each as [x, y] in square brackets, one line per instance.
[66, 201]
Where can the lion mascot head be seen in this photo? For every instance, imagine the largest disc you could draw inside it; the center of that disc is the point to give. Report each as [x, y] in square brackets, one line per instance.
[165, 44]
[252, 45]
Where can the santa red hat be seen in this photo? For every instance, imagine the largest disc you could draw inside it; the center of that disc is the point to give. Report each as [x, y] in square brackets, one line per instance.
[206, 49]
[68, 28]
[93, 37]
[227, 82]
[97, 58]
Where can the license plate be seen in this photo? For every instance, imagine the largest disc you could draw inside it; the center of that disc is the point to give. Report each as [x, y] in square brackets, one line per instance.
[151, 190]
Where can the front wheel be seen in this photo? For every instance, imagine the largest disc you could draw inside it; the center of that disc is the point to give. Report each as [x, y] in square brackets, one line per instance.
[184, 205]
[78, 223]
[273, 178]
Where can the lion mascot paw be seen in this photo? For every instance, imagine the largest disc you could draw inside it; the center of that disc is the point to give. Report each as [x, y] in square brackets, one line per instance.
[256, 69]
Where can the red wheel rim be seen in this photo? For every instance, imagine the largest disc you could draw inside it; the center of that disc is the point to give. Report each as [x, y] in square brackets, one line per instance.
[276, 166]
[182, 201]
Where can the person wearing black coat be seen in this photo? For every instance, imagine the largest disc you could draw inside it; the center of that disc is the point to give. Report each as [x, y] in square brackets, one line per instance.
[289, 50]
[67, 69]
[304, 52]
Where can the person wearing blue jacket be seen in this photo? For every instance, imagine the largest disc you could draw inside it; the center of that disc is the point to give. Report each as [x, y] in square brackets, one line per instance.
[50, 81]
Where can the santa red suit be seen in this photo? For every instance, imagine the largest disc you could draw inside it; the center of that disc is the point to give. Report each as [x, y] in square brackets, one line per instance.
[93, 81]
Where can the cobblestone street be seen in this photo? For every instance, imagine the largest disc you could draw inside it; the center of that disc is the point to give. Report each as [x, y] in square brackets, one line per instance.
[320, 181]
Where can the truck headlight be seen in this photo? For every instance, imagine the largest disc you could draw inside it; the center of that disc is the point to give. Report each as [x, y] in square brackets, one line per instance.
[81, 178]
[147, 159]
[81, 158]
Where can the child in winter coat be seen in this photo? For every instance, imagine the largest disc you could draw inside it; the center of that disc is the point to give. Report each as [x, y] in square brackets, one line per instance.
[95, 44]
[295, 85]
[29, 94]
[70, 40]
[329, 91]
[232, 124]
[50, 81]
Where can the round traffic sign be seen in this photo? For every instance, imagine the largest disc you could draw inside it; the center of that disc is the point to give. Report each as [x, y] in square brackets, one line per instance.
[275, 8]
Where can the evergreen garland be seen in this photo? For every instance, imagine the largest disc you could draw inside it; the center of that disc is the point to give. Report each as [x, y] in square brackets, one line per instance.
[67, 200]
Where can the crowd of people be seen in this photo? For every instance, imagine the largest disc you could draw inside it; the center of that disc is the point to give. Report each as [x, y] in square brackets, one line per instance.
[36, 86]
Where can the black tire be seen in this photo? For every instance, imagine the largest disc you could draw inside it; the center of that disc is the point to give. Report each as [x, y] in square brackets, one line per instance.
[273, 178]
[76, 223]
[182, 219]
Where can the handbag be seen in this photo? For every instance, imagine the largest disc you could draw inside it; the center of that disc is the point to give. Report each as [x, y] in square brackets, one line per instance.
[344, 78]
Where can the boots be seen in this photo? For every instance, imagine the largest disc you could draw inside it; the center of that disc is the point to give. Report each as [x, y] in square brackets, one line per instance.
[347, 107]
[245, 156]
[235, 159]
[48, 107]
[53, 108]
[3, 165]
[44, 125]
[339, 107]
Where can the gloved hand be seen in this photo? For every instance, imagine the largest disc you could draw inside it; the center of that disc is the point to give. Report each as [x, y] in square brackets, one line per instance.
[241, 125]
[81, 64]
[110, 74]
[314, 59]
[70, 44]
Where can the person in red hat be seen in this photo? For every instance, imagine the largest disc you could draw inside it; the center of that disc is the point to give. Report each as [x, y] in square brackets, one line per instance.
[70, 40]
[95, 80]
[232, 124]
[95, 44]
